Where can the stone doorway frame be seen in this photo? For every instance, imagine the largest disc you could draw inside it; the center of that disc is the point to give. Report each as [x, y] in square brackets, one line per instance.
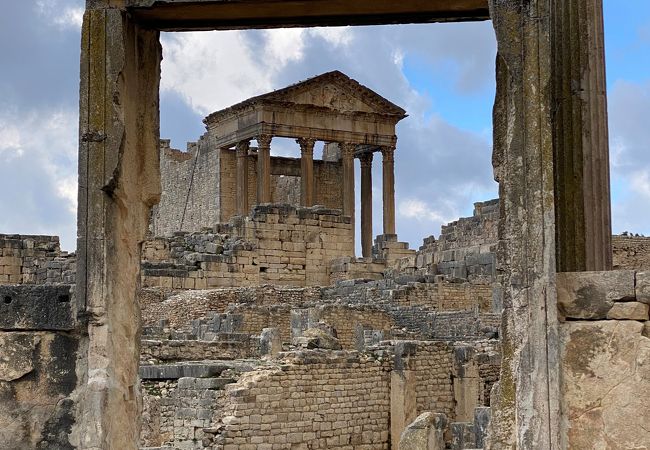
[551, 161]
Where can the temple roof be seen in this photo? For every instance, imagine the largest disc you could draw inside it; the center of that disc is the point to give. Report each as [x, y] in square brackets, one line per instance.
[332, 90]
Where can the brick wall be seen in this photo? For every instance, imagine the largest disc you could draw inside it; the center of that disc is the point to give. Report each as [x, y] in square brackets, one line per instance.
[32, 259]
[329, 400]
[631, 252]
[276, 245]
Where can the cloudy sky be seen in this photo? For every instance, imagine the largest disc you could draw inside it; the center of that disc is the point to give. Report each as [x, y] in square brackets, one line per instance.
[443, 75]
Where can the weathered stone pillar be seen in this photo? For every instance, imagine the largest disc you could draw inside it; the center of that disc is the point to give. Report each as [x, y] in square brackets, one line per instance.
[264, 168]
[242, 177]
[366, 204]
[526, 408]
[119, 182]
[388, 187]
[580, 137]
[403, 404]
[347, 159]
[306, 171]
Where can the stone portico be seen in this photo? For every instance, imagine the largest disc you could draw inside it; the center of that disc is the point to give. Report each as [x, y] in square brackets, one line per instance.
[353, 121]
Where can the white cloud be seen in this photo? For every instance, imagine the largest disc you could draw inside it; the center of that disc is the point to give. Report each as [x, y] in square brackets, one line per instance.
[61, 15]
[412, 208]
[38, 166]
[213, 70]
[336, 36]
[629, 109]
[9, 141]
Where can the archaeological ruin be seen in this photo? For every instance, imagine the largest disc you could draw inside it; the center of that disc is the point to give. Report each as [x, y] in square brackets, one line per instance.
[215, 300]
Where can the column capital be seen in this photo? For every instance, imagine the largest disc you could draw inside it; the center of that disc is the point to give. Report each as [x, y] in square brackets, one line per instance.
[242, 147]
[264, 140]
[347, 149]
[366, 159]
[306, 145]
[388, 153]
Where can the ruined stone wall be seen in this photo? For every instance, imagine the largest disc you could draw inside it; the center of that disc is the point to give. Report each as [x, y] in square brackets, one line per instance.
[604, 350]
[424, 310]
[631, 252]
[255, 318]
[465, 248]
[439, 296]
[180, 308]
[158, 411]
[157, 351]
[190, 188]
[285, 189]
[276, 245]
[349, 322]
[433, 365]
[328, 185]
[334, 400]
[33, 259]
[328, 190]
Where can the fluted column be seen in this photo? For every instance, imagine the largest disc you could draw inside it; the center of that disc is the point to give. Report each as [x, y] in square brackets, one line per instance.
[580, 137]
[306, 171]
[264, 168]
[347, 159]
[366, 204]
[388, 187]
[242, 177]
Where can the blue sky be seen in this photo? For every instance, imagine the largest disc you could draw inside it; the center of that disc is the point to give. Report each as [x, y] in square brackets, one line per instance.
[443, 75]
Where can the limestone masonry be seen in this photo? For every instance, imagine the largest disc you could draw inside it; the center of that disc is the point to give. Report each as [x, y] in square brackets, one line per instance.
[229, 357]
[215, 300]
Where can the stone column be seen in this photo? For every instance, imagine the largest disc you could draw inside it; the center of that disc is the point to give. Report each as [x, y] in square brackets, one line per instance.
[347, 159]
[526, 411]
[264, 168]
[242, 177]
[388, 187]
[306, 171]
[366, 204]
[580, 137]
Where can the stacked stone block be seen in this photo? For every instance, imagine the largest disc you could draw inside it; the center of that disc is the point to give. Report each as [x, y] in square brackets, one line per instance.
[604, 347]
[276, 245]
[327, 400]
[33, 259]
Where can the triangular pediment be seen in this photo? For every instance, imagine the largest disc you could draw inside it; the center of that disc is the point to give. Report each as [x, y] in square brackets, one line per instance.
[331, 90]
[337, 91]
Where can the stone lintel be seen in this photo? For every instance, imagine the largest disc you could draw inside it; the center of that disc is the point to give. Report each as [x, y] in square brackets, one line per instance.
[185, 15]
[327, 134]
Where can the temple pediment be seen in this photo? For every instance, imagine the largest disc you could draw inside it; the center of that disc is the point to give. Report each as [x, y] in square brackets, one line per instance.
[337, 91]
[332, 90]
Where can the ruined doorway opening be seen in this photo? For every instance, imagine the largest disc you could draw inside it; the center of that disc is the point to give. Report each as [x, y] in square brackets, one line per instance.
[446, 86]
[119, 184]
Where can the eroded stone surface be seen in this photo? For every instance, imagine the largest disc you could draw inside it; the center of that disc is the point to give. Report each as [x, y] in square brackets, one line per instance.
[16, 355]
[37, 376]
[629, 311]
[424, 433]
[643, 287]
[590, 295]
[605, 384]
